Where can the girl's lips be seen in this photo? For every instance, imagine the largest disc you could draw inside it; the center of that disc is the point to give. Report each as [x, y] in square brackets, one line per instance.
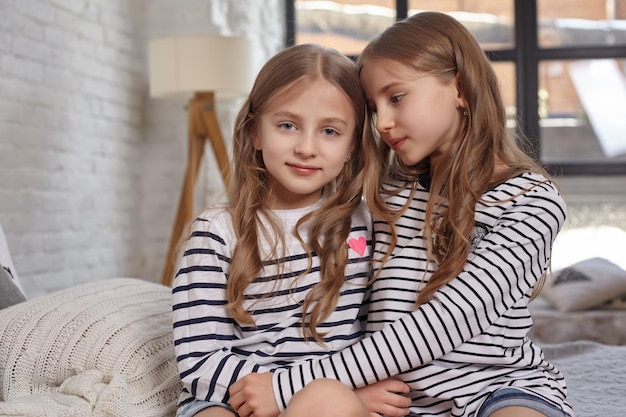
[303, 169]
[396, 143]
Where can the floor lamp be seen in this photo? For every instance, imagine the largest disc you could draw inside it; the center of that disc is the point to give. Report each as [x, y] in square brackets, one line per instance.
[205, 68]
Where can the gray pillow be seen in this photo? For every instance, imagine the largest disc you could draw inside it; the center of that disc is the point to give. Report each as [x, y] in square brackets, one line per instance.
[10, 293]
[7, 264]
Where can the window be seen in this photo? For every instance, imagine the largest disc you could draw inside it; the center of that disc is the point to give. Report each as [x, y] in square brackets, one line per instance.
[561, 63]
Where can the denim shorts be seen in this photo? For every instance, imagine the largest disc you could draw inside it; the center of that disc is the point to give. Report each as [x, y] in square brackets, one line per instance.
[196, 406]
[507, 397]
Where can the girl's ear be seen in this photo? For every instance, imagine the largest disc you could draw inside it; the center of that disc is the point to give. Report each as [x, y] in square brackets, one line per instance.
[256, 142]
[461, 103]
[254, 133]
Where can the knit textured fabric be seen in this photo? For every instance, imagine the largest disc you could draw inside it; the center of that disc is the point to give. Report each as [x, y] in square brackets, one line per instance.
[98, 349]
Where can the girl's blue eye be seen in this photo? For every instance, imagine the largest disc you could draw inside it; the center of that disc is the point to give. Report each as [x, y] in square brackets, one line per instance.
[329, 132]
[287, 125]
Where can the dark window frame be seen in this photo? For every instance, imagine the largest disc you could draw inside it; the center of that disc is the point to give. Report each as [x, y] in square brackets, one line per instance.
[526, 55]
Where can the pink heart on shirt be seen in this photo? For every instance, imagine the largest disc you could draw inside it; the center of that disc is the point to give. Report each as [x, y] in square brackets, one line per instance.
[358, 245]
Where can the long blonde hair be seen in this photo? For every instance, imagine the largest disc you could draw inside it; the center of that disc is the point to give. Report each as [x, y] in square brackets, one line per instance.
[437, 44]
[288, 72]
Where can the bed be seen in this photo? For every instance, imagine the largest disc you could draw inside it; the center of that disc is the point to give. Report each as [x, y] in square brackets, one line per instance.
[595, 376]
[104, 348]
[580, 318]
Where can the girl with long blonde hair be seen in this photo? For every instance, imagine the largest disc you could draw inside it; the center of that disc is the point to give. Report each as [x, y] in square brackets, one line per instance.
[465, 225]
[279, 273]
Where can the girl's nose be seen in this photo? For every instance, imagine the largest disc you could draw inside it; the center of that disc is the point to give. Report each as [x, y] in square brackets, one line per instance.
[306, 145]
[384, 121]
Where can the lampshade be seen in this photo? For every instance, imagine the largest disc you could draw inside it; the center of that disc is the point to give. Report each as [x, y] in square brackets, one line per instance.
[183, 65]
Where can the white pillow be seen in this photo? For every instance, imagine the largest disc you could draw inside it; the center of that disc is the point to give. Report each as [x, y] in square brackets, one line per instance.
[6, 262]
[585, 285]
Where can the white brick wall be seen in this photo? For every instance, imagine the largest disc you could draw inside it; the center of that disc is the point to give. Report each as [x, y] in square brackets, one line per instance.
[90, 167]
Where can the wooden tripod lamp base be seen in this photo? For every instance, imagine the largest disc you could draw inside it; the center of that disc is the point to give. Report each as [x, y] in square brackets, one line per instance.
[203, 126]
[205, 65]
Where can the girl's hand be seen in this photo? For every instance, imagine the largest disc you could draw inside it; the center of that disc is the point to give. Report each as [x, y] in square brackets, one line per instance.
[253, 394]
[386, 398]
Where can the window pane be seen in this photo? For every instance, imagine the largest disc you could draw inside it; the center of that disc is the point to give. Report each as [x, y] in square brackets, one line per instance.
[346, 25]
[564, 23]
[491, 22]
[581, 107]
[505, 71]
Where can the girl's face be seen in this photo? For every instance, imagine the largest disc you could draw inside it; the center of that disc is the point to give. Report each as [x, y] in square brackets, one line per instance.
[306, 138]
[417, 114]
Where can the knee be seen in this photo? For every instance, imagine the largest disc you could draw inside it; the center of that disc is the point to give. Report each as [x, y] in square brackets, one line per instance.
[326, 397]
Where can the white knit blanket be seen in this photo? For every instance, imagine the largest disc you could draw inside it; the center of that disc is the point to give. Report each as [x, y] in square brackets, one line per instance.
[97, 349]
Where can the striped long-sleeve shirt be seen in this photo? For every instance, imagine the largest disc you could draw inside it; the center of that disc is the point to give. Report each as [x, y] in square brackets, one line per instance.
[213, 350]
[471, 337]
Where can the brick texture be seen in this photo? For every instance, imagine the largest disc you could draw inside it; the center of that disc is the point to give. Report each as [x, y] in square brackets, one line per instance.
[90, 166]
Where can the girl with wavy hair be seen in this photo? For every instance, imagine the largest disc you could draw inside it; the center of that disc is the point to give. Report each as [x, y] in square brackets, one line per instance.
[279, 273]
[466, 221]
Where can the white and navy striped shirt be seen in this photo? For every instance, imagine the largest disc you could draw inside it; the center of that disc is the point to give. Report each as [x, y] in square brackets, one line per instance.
[471, 338]
[213, 350]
